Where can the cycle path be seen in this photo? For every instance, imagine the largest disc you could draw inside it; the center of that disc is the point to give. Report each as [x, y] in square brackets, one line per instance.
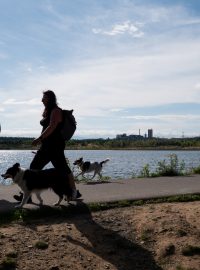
[113, 190]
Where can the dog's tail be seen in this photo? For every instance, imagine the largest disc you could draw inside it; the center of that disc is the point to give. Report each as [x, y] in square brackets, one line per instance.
[104, 161]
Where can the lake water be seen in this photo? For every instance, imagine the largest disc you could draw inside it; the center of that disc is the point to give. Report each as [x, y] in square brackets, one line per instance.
[122, 164]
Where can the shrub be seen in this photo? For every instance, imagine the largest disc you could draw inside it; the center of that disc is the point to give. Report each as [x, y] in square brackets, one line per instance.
[41, 245]
[172, 168]
[8, 264]
[145, 172]
[191, 250]
[12, 254]
[196, 170]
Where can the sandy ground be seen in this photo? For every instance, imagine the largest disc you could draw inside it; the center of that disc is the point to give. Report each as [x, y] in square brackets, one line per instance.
[149, 237]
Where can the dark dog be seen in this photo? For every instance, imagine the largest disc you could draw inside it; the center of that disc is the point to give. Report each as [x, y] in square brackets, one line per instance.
[88, 166]
[35, 181]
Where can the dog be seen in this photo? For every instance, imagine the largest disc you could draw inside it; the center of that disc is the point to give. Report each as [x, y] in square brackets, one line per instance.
[35, 181]
[87, 166]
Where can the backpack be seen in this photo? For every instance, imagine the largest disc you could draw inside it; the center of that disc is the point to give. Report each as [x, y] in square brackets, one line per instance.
[69, 125]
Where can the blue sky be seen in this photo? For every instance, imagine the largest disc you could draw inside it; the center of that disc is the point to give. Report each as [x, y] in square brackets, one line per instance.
[122, 65]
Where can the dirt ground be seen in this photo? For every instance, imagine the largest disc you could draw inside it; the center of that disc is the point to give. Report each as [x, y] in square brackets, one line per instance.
[148, 237]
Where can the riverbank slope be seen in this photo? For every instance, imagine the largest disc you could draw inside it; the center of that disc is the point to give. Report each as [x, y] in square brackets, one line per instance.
[147, 237]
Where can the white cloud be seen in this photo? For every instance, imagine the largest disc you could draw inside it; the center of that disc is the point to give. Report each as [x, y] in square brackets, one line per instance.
[29, 69]
[119, 29]
[116, 109]
[19, 132]
[190, 21]
[94, 133]
[197, 86]
[12, 101]
[96, 86]
[165, 117]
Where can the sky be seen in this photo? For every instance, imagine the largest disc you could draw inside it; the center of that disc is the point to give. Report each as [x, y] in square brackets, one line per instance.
[122, 65]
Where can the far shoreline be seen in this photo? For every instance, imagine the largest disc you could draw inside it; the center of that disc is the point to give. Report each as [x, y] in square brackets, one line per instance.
[113, 149]
[153, 144]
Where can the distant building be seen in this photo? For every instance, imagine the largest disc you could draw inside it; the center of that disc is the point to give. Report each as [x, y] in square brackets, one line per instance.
[150, 133]
[128, 137]
[124, 136]
[121, 136]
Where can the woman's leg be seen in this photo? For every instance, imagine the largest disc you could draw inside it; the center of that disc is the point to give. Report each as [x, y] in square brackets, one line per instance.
[59, 162]
[40, 159]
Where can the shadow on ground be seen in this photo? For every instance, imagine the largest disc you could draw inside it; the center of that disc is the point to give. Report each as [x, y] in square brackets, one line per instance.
[122, 253]
[6, 205]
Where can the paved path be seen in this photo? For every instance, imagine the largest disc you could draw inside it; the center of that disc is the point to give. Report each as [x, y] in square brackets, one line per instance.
[114, 190]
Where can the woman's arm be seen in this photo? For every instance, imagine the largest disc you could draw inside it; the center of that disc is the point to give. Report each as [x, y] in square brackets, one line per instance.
[55, 119]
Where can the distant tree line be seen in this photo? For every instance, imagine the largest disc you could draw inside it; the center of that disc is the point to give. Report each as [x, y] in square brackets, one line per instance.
[15, 143]
[154, 143]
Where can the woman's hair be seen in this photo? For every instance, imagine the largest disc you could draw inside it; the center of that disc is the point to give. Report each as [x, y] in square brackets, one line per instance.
[52, 102]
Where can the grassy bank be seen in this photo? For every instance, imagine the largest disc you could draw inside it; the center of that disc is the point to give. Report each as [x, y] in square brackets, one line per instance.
[27, 215]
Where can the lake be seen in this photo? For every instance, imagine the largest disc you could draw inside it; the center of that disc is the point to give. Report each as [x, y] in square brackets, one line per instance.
[122, 164]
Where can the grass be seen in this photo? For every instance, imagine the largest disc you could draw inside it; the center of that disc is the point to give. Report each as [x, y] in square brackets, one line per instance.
[171, 168]
[179, 267]
[28, 215]
[12, 254]
[196, 170]
[191, 250]
[87, 179]
[10, 261]
[181, 233]
[41, 244]
[8, 264]
[145, 234]
[169, 250]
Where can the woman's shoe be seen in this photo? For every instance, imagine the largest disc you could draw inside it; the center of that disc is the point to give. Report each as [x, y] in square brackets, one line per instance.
[75, 194]
[78, 194]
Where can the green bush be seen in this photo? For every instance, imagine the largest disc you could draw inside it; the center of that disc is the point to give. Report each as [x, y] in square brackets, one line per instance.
[171, 168]
[174, 168]
[145, 172]
[196, 170]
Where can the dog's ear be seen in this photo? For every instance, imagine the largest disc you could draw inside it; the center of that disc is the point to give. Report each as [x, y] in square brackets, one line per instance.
[16, 165]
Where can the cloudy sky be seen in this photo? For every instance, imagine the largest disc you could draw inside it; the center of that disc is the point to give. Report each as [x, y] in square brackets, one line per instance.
[122, 65]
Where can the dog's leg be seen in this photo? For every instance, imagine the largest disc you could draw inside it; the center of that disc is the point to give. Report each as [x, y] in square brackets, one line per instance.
[59, 201]
[59, 193]
[24, 200]
[100, 176]
[39, 197]
[79, 174]
[83, 175]
[93, 175]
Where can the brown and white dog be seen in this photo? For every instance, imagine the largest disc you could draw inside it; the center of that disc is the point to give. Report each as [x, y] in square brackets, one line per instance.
[35, 181]
[87, 167]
